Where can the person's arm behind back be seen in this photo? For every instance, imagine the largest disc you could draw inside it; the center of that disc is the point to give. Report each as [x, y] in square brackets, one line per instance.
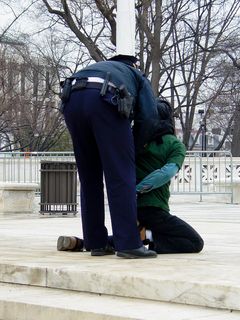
[157, 178]
[163, 175]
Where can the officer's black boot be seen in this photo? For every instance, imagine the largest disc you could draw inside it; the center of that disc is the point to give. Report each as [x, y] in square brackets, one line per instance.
[139, 253]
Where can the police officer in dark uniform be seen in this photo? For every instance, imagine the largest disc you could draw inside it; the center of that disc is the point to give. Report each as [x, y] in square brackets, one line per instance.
[99, 103]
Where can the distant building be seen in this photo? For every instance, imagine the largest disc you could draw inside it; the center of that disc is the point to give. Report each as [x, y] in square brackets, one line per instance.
[28, 87]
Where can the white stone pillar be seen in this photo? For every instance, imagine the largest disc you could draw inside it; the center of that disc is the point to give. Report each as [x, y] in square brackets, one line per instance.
[126, 26]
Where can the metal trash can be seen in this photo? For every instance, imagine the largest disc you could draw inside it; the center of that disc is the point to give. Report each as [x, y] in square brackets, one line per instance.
[58, 187]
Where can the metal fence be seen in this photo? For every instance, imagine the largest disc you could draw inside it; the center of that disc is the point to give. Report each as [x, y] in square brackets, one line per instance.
[203, 172]
[25, 166]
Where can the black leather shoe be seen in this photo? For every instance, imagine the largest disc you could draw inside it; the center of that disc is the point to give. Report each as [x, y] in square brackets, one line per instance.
[139, 253]
[66, 243]
[103, 251]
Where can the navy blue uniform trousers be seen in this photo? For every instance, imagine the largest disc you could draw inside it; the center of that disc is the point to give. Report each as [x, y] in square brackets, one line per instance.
[170, 233]
[103, 143]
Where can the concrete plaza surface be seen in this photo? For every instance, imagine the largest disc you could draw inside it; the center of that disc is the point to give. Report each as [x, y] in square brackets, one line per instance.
[38, 282]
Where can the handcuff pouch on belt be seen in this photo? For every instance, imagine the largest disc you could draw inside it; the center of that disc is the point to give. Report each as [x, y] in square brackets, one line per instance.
[66, 87]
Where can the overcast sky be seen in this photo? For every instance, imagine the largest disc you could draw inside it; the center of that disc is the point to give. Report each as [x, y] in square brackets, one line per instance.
[10, 10]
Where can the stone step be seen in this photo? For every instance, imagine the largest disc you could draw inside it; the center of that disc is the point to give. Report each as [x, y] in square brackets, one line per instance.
[166, 280]
[29, 302]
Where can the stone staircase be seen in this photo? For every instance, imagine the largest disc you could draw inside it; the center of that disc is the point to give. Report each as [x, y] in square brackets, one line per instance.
[29, 302]
[113, 288]
[39, 283]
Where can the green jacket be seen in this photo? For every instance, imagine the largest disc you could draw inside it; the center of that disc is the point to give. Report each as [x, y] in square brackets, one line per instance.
[155, 156]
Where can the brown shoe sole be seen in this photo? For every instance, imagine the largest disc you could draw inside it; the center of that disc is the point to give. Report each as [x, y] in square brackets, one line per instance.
[66, 243]
[63, 243]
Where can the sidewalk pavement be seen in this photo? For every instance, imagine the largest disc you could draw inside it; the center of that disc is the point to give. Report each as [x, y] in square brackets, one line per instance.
[208, 279]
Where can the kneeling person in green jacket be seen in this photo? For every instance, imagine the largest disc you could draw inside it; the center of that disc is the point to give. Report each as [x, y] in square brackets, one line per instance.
[161, 159]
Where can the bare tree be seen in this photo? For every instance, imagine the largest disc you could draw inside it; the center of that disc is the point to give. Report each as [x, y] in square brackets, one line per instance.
[181, 45]
[225, 112]
[16, 17]
[193, 77]
[228, 53]
[177, 41]
[29, 110]
[28, 119]
[92, 22]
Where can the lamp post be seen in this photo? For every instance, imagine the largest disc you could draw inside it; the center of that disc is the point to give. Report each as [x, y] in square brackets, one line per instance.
[126, 27]
[203, 128]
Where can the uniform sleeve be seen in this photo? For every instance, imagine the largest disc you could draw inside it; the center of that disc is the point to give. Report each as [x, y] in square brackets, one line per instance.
[146, 102]
[146, 110]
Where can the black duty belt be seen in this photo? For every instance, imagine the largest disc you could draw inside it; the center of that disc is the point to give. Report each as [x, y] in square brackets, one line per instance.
[79, 85]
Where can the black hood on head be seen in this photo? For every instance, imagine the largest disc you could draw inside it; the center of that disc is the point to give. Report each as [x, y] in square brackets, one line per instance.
[165, 120]
[165, 110]
[130, 60]
[153, 129]
[164, 124]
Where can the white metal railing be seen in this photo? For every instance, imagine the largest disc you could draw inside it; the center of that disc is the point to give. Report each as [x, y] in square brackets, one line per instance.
[203, 172]
[25, 166]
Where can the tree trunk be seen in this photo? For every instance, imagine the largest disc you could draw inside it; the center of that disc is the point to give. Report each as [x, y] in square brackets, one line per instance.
[235, 148]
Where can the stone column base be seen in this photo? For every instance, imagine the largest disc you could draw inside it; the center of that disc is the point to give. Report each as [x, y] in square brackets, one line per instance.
[17, 197]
